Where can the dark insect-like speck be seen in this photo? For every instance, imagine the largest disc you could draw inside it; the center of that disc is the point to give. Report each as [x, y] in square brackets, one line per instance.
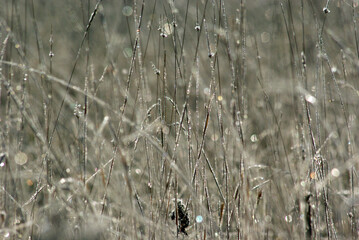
[183, 220]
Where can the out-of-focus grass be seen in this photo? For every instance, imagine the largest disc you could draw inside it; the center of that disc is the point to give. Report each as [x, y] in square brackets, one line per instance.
[112, 111]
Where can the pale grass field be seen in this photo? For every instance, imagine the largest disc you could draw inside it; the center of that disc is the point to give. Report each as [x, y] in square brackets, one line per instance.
[246, 111]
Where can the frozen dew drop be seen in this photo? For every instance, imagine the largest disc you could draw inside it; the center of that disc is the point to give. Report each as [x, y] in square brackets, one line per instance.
[335, 172]
[62, 180]
[311, 99]
[127, 11]
[2, 164]
[220, 98]
[326, 10]
[254, 138]
[20, 158]
[288, 218]
[199, 219]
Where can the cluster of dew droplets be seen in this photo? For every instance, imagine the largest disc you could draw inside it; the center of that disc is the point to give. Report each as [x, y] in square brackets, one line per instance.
[78, 110]
[166, 28]
[155, 69]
